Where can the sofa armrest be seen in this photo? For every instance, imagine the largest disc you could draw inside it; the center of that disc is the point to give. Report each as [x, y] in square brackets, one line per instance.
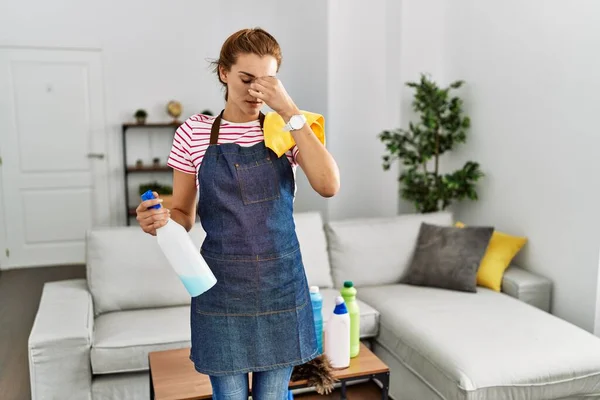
[60, 341]
[527, 287]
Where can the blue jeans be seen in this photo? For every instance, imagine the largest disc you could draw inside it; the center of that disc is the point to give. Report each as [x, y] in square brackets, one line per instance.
[266, 385]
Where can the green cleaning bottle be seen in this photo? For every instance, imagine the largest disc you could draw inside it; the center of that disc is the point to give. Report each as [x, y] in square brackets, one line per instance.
[349, 294]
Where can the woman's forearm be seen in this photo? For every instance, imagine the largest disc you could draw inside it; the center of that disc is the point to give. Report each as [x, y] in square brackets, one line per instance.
[314, 159]
[182, 219]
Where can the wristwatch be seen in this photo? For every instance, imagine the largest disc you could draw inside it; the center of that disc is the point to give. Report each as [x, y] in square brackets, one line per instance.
[295, 123]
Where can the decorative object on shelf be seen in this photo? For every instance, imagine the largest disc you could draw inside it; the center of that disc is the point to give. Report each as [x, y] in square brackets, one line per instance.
[140, 116]
[207, 112]
[165, 192]
[441, 126]
[156, 162]
[139, 164]
[174, 109]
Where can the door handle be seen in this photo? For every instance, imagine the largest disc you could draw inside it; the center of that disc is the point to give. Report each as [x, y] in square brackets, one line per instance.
[99, 156]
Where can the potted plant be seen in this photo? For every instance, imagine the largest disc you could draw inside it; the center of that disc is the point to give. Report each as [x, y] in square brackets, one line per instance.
[165, 192]
[140, 116]
[440, 127]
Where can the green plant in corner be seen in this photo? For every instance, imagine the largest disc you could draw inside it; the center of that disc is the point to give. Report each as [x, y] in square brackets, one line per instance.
[441, 126]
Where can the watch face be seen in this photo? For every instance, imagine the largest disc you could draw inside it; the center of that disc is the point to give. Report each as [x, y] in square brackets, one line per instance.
[296, 122]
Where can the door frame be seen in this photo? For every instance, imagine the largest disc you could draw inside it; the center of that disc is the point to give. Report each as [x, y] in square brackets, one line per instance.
[107, 138]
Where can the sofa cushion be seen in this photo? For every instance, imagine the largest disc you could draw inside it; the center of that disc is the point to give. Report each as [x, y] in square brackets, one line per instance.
[498, 256]
[313, 245]
[127, 270]
[369, 317]
[123, 339]
[376, 251]
[448, 257]
[486, 345]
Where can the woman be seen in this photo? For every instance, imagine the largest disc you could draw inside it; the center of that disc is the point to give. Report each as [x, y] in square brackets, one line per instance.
[257, 318]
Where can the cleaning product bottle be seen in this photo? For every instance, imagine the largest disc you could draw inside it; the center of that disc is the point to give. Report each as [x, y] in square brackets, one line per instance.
[317, 305]
[182, 254]
[349, 294]
[337, 336]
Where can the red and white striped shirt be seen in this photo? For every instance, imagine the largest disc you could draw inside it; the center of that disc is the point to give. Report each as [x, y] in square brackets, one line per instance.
[192, 139]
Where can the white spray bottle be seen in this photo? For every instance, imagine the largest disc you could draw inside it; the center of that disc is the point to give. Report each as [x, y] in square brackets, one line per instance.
[182, 254]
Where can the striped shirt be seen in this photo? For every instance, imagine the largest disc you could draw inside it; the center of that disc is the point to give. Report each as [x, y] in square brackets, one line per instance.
[192, 139]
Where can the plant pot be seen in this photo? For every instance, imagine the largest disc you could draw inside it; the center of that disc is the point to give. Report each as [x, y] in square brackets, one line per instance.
[141, 120]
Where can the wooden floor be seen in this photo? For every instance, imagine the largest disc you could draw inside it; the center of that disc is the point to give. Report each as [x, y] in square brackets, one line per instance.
[20, 292]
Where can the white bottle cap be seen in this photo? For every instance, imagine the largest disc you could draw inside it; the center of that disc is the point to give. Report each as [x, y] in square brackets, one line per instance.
[314, 289]
[339, 300]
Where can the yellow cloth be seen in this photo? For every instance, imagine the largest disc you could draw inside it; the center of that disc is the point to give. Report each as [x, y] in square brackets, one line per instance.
[279, 141]
[500, 252]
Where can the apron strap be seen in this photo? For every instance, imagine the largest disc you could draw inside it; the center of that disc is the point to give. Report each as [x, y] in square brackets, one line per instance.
[214, 130]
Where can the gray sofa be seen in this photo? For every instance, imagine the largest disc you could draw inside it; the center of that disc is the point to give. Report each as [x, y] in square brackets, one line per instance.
[91, 338]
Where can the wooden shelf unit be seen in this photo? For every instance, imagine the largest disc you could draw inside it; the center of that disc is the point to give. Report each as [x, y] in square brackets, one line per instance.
[129, 169]
[153, 125]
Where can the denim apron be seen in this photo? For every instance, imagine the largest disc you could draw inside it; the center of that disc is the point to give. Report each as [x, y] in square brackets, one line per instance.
[259, 315]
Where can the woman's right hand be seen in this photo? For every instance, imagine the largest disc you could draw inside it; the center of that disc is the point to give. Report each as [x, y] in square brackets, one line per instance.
[152, 219]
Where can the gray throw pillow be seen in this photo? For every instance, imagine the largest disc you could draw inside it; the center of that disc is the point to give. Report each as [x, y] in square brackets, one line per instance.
[448, 257]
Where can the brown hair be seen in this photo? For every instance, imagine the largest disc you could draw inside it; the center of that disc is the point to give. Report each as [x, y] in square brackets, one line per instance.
[246, 41]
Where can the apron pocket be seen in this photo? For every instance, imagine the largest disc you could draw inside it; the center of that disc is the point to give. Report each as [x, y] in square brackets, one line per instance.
[250, 288]
[283, 286]
[258, 181]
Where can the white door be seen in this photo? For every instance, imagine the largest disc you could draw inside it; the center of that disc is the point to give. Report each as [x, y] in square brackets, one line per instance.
[52, 144]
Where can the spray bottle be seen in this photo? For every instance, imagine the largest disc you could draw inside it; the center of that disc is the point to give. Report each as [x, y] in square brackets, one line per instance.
[182, 254]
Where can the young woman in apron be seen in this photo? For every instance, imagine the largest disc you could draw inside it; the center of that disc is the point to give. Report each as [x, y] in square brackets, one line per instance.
[258, 317]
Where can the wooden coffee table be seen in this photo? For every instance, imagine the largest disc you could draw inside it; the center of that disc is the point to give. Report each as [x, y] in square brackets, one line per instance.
[173, 376]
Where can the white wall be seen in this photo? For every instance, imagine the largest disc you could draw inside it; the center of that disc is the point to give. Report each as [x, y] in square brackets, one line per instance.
[533, 77]
[361, 59]
[422, 26]
[155, 51]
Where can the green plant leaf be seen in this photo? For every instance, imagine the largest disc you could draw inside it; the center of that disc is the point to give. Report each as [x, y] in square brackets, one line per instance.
[441, 125]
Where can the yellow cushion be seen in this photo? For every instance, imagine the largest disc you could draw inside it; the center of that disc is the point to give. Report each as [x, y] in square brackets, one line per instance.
[500, 252]
[279, 141]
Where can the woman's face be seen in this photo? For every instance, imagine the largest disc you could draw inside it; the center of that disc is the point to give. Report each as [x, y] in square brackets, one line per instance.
[247, 68]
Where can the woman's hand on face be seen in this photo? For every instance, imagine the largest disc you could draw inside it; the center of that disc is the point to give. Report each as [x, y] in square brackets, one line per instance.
[151, 219]
[270, 90]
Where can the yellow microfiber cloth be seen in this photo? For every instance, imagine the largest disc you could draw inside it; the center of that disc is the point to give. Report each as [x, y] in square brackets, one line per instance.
[279, 141]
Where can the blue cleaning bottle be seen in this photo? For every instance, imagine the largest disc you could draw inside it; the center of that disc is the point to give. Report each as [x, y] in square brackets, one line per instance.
[317, 304]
